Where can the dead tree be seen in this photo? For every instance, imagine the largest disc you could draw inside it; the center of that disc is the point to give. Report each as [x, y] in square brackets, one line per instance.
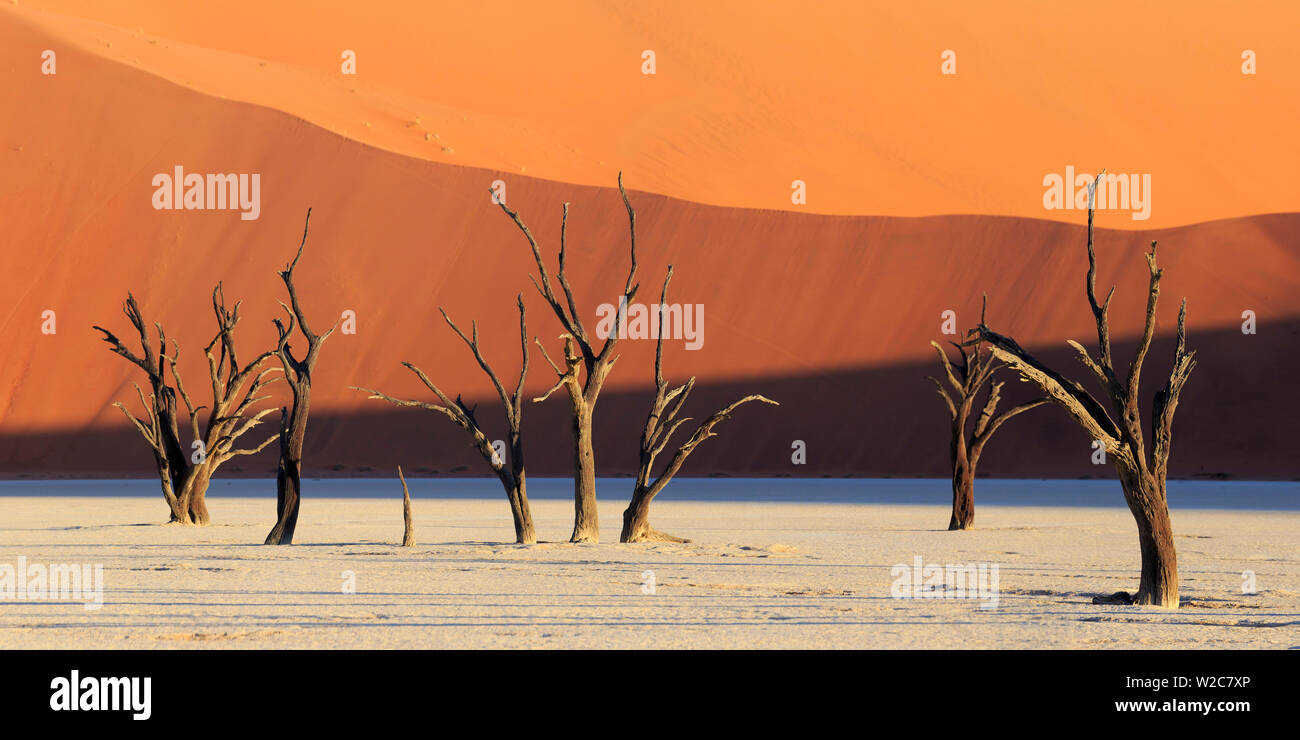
[1141, 477]
[966, 380]
[660, 425]
[160, 427]
[293, 421]
[185, 478]
[408, 523]
[231, 415]
[580, 356]
[512, 478]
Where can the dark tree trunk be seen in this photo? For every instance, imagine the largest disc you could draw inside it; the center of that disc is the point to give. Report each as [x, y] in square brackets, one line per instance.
[287, 499]
[1146, 500]
[963, 497]
[525, 534]
[178, 463]
[586, 519]
[520, 512]
[293, 422]
[288, 476]
[173, 456]
[172, 488]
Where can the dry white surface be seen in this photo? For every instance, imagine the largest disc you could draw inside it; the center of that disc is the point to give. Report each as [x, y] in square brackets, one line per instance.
[765, 574]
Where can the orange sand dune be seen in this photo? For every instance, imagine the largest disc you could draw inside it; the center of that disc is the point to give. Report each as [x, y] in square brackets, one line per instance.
[748, 97]
[831, 315]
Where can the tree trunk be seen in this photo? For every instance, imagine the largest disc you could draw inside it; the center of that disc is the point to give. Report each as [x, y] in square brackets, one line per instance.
[963, 473]
[178, 463]
[172, 484]
[198, 508]
[517, 490]
[170, 490]
[293, 423]
[190, 507]
[586, 520]
[408, 522]
[523, 518]
[288, 485]
[636, 521]
[520, 511]
[288, 478]
[1146, 499]
[963, 497]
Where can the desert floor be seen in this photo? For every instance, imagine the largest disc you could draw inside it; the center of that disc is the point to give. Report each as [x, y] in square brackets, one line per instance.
[796, 564]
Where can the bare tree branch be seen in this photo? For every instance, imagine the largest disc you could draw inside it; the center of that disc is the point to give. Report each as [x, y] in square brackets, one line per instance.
[512, 476]
[661, 424]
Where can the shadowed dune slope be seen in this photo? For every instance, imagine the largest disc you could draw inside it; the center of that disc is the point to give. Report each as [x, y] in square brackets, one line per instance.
[877, 422]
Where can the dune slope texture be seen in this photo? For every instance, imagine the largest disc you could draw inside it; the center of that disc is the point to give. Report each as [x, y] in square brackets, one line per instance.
[924, 191]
